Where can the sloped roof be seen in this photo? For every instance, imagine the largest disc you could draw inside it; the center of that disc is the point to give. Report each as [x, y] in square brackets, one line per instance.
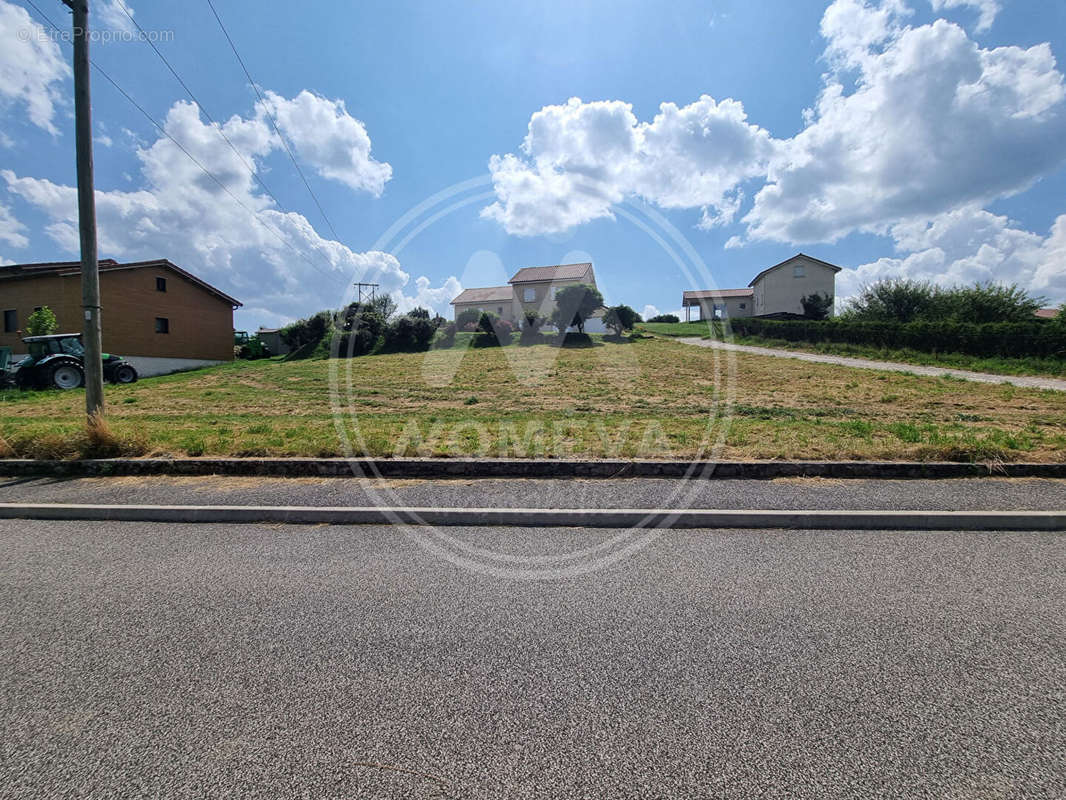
[715, 294]
[68, 268]
[558, 272]
[833, 267]
[1046, 313]
[489, 294]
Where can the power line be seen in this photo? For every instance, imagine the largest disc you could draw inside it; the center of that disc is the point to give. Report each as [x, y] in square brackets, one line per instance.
[190, 156]
[273, 122]
[147, 39]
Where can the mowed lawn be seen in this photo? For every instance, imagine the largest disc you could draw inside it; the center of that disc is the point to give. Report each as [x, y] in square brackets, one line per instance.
[650, 398]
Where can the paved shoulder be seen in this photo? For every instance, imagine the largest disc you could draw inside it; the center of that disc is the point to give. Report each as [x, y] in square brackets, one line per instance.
[1026, 381]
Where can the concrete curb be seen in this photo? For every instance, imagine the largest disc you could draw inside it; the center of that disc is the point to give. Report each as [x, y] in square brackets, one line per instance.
[521, 468]
[553, 517]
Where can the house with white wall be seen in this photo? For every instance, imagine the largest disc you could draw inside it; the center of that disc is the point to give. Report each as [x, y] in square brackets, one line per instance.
[530, 289]
[779, 289]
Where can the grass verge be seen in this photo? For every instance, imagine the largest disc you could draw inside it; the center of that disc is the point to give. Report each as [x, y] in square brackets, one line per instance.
[1046, 367]
[649, 398]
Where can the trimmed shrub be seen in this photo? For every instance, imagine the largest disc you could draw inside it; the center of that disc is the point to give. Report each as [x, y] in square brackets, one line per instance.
[470, 316]
[620, 319]
[574, 304]
[409, 334]
[915, 301]
[1035, 338]
[531, 323]
[672, 318]
[503, 330]
[446, 335]
[575, 340]
[307, 331]
[817, 306]
[486, 323]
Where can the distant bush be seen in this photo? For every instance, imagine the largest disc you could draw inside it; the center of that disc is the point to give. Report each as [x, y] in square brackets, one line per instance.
[673, 318]
[42, 322]
[620, 319]
[503, 330]
[307, 331]
[486, 322]
[468, 317]
[574, 304]
[419, 313]
[531, 323]
[300, 353]
[446, 335]
[361, 330]
[1033, 338]
[919, 301]
[575, 340]
[817, 306]
[409, 334]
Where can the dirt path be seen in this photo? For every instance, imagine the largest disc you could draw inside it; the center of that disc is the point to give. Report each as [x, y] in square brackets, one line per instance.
[1027, 381]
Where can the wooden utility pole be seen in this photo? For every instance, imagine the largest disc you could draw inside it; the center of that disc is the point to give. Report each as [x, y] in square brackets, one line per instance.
[90, 269]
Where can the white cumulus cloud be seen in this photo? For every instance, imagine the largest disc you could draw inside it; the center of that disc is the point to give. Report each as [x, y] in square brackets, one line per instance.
[324, 134]
[934, 122]
[32, 68]
[580, 158]
[986, 10]
[967, 245]
[11, 230]
[273, 261]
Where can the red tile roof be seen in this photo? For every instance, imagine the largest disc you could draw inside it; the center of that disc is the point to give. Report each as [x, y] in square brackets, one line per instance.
[558, 272]
[489, 294]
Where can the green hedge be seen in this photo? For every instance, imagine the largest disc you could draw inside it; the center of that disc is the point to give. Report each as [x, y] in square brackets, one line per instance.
[999, 339]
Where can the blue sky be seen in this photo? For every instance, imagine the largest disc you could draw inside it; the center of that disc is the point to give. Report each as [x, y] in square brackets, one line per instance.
[924, 139]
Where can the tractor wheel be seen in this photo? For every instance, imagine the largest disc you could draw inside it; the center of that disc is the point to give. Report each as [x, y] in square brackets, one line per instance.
[125, 374]
[66, 375]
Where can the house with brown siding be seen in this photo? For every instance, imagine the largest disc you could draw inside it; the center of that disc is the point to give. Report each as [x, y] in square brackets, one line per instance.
[156, 314]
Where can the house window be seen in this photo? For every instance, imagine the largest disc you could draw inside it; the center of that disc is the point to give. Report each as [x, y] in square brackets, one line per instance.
[37, 308]
[11, 321]
[554, 290]
[162, 325]
[160, 284]
[499, 310]
[798, 271]
[743, 305]
[529, 294]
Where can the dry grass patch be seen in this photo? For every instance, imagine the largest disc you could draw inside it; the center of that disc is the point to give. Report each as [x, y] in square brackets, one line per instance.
[650, 398]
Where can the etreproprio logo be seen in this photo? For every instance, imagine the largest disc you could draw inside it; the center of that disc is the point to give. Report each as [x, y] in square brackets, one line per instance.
[533, 368]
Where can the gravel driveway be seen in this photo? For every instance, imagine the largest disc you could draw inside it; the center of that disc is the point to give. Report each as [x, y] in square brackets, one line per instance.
[1026, 381]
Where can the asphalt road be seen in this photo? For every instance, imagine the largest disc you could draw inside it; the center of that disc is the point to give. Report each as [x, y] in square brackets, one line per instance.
[152, 660]
[1013, 494]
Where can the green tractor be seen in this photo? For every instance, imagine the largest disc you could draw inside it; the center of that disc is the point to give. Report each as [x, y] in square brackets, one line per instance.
[57, 361]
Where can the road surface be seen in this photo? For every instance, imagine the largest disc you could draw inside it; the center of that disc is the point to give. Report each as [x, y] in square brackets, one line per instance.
[155, 660]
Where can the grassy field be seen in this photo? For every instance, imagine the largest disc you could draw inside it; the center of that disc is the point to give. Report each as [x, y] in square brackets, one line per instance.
[649, 398]
[1049, 367]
